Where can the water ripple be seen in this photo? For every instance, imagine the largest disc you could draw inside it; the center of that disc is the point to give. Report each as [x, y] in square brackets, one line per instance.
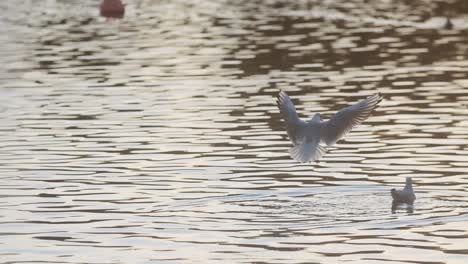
[156, 139]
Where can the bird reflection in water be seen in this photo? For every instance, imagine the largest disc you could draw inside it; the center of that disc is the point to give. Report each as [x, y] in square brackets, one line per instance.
[396, 205]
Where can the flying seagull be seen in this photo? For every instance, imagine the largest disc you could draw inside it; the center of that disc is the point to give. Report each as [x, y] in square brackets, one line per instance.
[406, 195]
[309, 137]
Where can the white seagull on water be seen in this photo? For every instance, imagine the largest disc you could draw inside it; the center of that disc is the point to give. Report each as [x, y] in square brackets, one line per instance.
[307, 136]
[406, 195]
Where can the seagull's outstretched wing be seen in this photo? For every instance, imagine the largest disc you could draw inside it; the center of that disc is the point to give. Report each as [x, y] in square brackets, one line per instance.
[294, 125]
[347, 118]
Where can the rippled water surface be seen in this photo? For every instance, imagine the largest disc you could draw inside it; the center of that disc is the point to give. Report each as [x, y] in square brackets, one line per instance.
[156, 138]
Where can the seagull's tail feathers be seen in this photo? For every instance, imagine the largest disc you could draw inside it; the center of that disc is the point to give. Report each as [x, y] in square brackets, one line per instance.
[307, 152]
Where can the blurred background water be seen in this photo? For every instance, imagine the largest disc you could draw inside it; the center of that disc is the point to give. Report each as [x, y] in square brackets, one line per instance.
[156, 138]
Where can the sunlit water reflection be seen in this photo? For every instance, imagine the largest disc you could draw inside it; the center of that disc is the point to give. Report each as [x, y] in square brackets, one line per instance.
[156, 139]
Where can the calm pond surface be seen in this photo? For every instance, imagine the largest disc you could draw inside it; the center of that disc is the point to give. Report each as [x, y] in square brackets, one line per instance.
[156, 138]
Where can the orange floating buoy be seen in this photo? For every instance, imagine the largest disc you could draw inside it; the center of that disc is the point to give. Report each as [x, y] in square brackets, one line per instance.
[112, 9]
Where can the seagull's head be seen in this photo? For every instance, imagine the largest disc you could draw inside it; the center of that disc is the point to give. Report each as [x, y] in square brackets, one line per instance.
[409, 184]
[317, 117]
[394, 194]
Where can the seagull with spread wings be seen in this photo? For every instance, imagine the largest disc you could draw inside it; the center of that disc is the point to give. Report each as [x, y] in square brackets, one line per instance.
[309, 136]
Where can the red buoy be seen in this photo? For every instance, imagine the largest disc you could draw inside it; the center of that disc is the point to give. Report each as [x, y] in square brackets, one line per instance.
[112, 9]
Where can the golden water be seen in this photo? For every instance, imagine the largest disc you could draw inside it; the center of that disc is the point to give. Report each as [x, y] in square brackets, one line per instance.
[156, 138]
